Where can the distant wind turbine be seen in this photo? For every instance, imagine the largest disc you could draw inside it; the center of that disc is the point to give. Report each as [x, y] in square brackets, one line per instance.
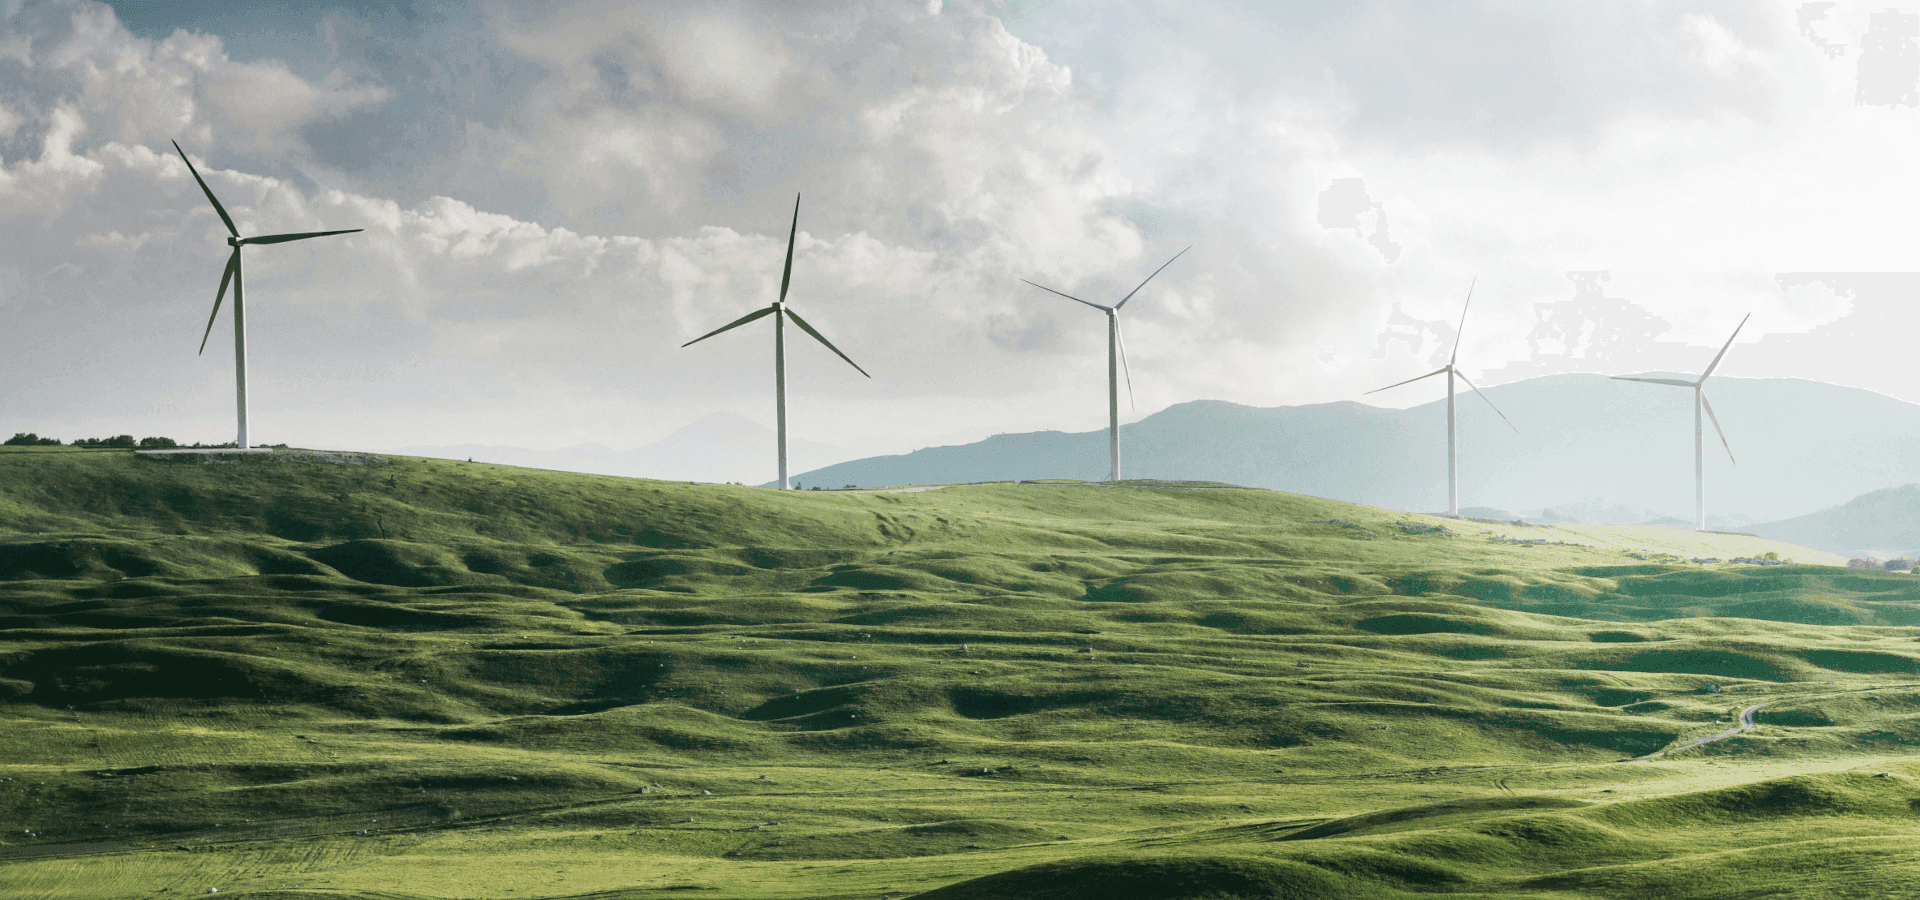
[1116, 361]
[781, 313]
[1453, 450]
[232, 274]
[1699, 433]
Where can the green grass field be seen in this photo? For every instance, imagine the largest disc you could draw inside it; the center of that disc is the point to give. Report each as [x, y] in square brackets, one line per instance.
[343, 675]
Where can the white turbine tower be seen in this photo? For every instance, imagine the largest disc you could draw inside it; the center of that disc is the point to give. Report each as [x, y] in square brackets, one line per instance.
[1453, 454]
[781, 313]
[232, 274]
[1116, 361]
[1699, 434]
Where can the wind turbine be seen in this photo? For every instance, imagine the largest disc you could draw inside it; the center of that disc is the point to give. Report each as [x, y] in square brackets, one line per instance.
[232, 274]
[1116, 360]
[1452, 372]
[1699, 434]
[780, 314]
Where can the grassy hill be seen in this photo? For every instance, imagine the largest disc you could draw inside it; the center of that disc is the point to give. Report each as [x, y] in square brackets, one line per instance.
[301, 675]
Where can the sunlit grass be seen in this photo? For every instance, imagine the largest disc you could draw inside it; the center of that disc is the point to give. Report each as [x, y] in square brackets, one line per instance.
[416, 678]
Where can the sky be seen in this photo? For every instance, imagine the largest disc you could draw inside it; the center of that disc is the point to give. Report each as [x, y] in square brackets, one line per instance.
[556, 195]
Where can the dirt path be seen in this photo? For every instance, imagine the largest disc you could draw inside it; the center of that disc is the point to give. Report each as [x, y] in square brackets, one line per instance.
[1745, 725]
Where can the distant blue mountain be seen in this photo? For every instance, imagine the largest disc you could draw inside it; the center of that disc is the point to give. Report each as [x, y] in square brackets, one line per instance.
[1585, 441]
[1877, 525]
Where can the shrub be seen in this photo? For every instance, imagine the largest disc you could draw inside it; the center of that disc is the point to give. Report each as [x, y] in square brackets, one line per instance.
[1862, 564]
[123, 441]
[1899, 565]
[29, 439]
[157, 443]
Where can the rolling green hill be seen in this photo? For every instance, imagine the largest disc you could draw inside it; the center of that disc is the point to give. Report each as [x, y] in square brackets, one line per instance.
[343, 675]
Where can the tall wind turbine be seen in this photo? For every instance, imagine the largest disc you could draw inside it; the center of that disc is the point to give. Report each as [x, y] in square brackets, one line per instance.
[781, 313]
[232, 274]
[1699, 434]
[1452, 372]
[1116, 360]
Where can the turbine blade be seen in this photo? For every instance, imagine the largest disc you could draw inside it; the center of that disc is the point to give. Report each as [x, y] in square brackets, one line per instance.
[1716, 427]
[1068, 296]
[1163, 266]
[1408, 381]
[209, 191]
[1671, 381]
[233, 265]
[818, 337]
[283, 238]
[786, 275]
[1723, 351]
[733, 324]
[1463, 323]
[1121, 334]
[1503, 416]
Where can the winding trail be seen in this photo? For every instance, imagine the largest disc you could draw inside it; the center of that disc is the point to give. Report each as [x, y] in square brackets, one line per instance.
[1745, 725]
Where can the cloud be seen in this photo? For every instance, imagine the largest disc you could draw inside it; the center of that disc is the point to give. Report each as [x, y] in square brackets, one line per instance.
[1890, 60]
[439, 305]
[556, 196]
[77, 56]
[937, 130]
[268, 107]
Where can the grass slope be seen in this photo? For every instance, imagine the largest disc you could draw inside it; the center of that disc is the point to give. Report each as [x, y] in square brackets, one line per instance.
[342, 675]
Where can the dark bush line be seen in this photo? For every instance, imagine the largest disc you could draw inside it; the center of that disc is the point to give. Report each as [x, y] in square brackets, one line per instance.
[122, 442]
[1902, 564]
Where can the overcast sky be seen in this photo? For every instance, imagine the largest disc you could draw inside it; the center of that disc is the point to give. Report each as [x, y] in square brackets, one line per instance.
[555, 196]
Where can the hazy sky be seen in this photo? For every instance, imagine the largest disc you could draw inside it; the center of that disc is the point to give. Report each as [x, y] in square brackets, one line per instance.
[557, 195]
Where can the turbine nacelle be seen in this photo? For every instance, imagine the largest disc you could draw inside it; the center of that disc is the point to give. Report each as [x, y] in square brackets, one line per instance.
[781, 313]
[1700, 404]
[233, 275]
[1452, 371]
[1116, 349]
[779, 308]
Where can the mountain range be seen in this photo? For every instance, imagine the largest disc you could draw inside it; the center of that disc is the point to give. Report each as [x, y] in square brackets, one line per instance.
[1587, 447]
[1880, 524]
